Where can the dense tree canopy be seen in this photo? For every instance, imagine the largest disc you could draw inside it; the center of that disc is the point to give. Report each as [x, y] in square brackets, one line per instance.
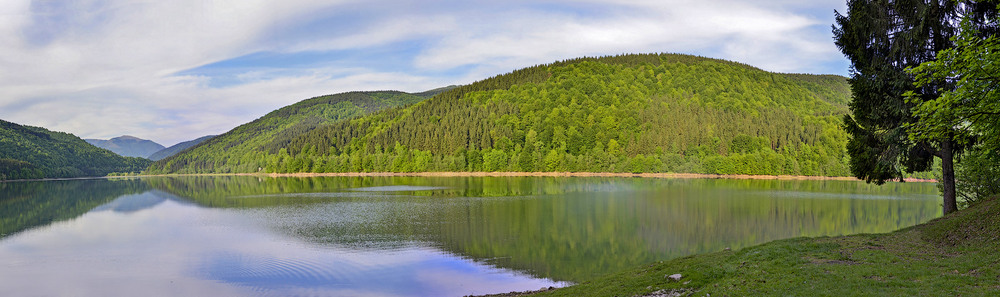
[245, 148]
[30, 152]
[973, 105]
[628, 113]
[970, 111]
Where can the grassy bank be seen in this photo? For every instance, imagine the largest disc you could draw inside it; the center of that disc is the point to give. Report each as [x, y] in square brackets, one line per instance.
[956, 255]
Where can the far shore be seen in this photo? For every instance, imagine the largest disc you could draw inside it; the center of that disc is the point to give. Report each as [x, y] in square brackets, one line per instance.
[494, 174]
[564, 174]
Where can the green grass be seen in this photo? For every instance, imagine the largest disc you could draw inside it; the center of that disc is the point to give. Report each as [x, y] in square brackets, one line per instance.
[956, 255]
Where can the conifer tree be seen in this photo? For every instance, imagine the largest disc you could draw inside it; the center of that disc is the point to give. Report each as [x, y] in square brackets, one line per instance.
[883, 38]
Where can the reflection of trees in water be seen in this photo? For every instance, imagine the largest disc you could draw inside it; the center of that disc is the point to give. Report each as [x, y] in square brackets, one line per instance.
[564, 228]
[579, 237]
[233, 191]
[24, 205]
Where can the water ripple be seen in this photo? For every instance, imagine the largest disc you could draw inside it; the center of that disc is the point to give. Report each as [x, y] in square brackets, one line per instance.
[265, 273]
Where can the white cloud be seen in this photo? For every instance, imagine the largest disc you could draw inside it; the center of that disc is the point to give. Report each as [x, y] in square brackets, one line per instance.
[389, 31]
[742, 31]
[175, 109]
[116, 75]
[102, 68]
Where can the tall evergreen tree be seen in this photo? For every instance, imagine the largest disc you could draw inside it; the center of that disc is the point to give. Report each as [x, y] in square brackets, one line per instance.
[882, 38]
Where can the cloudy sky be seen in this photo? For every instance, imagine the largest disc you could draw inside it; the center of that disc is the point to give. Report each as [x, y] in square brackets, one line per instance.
[176, 70]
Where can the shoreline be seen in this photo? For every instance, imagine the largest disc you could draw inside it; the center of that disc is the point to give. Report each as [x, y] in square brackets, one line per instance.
[576, 174]
[561, 174]
[497, 174]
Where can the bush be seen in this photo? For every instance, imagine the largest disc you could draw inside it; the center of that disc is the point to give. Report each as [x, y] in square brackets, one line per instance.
[977, 177]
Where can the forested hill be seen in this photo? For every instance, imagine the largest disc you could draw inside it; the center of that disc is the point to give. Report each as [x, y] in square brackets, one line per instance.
[244, 149]
[30, 152]
[628, 113]
[174, 149]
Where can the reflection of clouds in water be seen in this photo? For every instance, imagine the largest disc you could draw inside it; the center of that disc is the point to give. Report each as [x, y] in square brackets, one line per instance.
[453, 277]
[172, 249]
[137, 202]
[110, 254]
[413, 272]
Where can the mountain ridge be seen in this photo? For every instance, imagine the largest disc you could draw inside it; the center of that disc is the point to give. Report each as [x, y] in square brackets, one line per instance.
[625, 113]
[128, 146]
[177, 148]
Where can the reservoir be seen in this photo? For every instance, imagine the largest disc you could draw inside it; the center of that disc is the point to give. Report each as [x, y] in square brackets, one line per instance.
[404, 236]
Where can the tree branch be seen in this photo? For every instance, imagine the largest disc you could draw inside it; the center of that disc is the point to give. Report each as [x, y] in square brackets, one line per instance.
[929, 148]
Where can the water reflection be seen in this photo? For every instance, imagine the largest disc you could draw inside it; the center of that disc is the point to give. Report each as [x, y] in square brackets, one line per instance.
[24, 205]
[151, 244]
[404, 236]
[404, 272]
[397, 189]
[136, 202]
[569, 229]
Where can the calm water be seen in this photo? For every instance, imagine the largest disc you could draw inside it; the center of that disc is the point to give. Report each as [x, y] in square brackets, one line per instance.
[402, 236]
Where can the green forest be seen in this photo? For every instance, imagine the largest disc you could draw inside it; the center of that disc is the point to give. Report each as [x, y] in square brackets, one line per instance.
[241, 149]
[626, 113]
[30, 152]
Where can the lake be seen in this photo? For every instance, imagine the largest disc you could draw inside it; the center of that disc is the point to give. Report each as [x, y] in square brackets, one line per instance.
[403, 236]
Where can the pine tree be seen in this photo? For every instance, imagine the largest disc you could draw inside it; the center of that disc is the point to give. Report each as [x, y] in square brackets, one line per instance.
[882, 38]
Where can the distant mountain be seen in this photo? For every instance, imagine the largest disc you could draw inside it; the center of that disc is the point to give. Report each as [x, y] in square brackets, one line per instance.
[31, 152]
[243, 149]
[626, 113]
[174, 149]
[128, 146]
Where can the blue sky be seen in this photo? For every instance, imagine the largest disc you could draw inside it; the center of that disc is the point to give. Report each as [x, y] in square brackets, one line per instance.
[176, 70]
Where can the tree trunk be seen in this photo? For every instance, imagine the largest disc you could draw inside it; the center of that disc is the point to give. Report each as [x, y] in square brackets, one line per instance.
[948, 177]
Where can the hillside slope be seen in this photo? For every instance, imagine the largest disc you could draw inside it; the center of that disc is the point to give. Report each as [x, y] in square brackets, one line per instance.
[245, 148]
[30, 152]
[629, 113]
[128, 146]
[177, 148]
